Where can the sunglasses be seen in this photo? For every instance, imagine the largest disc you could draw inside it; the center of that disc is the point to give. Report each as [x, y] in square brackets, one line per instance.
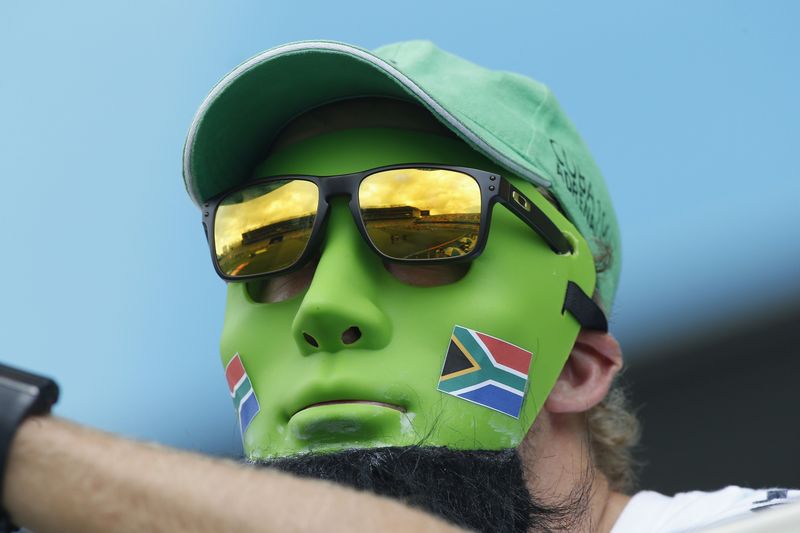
[418, 213]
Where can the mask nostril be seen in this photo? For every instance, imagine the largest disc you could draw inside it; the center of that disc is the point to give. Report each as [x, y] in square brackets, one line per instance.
[351, 335]
[310, 340]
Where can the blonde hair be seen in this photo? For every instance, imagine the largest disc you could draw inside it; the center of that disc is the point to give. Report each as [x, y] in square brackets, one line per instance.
[612, 426]
[613, 432]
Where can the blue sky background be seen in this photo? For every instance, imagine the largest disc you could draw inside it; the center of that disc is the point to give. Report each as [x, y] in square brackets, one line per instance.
[690, 109]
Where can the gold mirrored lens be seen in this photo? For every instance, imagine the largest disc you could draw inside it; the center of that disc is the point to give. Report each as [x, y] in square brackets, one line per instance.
[418, 213]
[264, 228]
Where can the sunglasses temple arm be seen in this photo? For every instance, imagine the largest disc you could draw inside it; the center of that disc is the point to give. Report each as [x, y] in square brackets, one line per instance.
[579, 304]
[528, 212]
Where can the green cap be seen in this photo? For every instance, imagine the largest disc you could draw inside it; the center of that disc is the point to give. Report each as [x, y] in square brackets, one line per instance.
[511, 119]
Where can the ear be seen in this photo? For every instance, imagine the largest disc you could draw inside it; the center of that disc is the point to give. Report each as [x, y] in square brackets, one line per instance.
[586, 377]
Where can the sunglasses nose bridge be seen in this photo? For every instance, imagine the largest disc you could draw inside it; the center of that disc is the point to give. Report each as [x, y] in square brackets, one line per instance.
[343, 185]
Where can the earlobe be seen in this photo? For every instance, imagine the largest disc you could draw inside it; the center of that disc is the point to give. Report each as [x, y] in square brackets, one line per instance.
[586, 377]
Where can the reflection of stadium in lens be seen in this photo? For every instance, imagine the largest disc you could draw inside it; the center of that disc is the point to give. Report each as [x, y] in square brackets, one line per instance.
[421, 213]
[264, 228]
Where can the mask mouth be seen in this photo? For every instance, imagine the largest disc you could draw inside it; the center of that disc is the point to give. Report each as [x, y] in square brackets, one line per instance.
[365, 402]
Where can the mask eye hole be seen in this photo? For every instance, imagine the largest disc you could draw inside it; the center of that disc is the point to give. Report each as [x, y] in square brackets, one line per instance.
[427, 275]
[284, 287]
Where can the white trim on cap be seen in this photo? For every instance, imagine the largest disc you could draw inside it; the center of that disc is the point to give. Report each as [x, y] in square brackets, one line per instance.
[404, 80]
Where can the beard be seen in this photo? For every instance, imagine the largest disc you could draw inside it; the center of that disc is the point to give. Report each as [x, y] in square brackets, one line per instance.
[476, 489]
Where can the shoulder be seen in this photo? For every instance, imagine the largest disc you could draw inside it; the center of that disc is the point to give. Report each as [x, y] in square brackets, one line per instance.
[656, 513]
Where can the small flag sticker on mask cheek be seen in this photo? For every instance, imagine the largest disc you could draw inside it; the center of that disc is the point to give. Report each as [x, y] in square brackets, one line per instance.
[485, 370]
[244, 397]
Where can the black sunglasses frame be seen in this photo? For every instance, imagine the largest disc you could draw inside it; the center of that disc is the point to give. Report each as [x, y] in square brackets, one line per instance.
[493, 188]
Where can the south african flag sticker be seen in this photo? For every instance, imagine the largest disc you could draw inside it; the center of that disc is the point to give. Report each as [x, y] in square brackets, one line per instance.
[486, 371]
[244, 397]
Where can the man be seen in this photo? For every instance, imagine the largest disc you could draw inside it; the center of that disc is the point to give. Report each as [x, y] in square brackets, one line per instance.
[379, 332]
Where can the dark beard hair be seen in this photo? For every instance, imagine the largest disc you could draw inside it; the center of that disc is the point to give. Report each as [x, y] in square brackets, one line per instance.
[477, 489]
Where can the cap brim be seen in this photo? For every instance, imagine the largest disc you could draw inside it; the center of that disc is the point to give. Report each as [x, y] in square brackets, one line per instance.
[238, 120]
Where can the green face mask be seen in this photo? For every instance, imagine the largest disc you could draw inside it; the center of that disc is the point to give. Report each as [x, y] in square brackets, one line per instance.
[514, 291]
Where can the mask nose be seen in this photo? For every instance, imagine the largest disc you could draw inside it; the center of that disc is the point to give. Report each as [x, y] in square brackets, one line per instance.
[339, 309]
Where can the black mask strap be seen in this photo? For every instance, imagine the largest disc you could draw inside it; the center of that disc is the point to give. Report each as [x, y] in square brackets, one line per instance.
[584, 309]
